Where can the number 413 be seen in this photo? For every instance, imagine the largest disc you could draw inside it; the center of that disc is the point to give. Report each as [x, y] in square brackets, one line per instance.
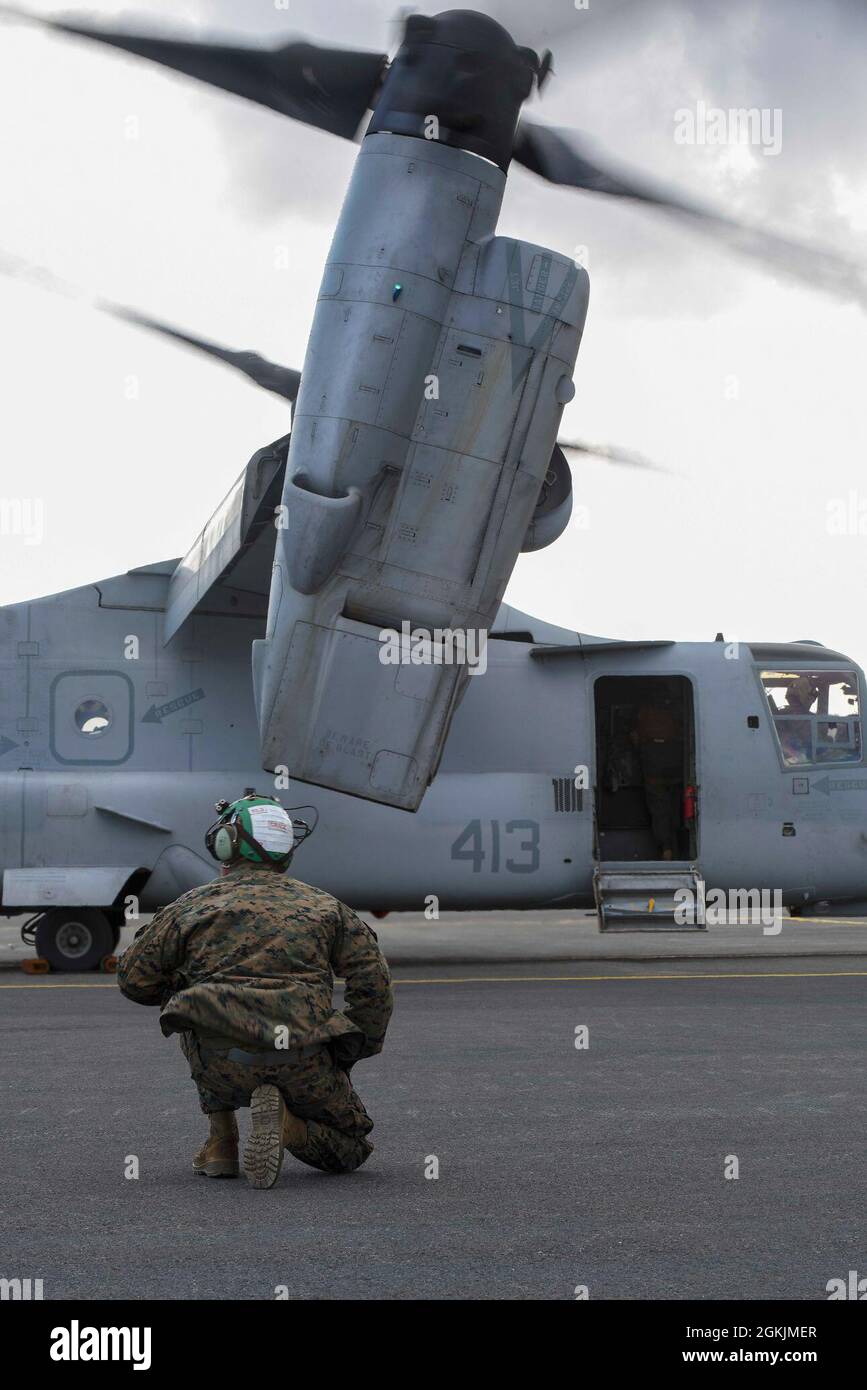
[522, 854]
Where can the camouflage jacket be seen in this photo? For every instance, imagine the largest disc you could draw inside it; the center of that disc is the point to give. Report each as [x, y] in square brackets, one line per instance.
[254, 952]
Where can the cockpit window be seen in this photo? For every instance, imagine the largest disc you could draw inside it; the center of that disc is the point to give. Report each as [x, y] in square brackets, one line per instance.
[816, 715]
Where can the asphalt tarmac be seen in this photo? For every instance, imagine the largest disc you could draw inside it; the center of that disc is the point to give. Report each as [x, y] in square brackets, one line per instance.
[407, 938]
[558, 1167]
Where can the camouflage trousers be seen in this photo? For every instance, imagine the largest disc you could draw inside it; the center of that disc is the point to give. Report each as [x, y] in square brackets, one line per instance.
[663, 805]
[313, 1088]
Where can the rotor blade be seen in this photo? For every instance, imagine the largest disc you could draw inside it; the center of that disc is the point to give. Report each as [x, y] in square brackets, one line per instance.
[330, 88]
[612, 453]
[557, 155]
[283, 381]
[17, 268]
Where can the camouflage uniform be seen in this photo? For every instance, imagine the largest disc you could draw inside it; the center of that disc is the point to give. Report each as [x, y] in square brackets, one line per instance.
[244, 970]
[659, 738]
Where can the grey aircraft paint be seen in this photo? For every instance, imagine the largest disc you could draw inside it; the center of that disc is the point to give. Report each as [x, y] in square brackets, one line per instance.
[414, 471]
[88, 818]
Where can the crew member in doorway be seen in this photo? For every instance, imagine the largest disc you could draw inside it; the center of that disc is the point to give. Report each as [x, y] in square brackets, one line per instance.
[658, 735]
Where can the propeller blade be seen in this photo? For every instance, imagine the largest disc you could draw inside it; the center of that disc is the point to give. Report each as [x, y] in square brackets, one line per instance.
[558, 156]
[283, 381]
[612, 453]
[329, 88]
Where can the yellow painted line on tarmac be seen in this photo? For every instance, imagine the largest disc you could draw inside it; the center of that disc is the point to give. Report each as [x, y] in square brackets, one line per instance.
[71, 985]
[709, 975]
[825, 921]
[569, 979]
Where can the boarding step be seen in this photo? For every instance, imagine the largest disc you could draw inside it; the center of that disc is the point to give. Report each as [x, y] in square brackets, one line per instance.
[645, 897]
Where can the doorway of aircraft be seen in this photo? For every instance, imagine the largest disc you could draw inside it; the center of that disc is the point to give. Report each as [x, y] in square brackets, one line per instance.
[645, 794]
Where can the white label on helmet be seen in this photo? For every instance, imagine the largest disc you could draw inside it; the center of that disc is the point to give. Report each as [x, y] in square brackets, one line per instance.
[272, 827]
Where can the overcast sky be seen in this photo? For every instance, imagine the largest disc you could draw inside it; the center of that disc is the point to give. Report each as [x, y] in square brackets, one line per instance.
[149, 189]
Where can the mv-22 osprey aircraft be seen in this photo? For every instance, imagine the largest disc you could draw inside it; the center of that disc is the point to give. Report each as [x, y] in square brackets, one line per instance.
[423, 458]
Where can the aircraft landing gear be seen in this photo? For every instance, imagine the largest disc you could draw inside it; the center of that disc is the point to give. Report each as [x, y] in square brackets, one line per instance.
[72, 938]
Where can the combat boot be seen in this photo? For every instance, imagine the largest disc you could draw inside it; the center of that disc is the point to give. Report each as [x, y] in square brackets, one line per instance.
[294, 1132]
[273, 1128]
[218, 1156]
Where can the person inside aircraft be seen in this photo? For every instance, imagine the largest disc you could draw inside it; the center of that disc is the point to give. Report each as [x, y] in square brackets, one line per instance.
[622, 766]
[794, 697]
[795, 741]
[801, 696]
[815, 715]
[796, 734]
[659, 738]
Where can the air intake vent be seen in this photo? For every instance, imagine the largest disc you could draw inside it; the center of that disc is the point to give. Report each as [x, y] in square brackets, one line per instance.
[567, 796]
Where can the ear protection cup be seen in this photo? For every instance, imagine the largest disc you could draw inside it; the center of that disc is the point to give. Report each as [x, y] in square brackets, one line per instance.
[225, 843]
[222, 842]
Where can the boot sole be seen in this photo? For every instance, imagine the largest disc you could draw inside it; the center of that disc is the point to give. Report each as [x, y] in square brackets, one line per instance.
[263, 1155]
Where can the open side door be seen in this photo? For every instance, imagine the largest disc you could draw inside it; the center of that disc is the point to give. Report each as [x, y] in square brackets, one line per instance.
[646, 793]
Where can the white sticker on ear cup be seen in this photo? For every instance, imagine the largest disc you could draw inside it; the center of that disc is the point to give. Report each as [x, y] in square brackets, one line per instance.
[272, 827]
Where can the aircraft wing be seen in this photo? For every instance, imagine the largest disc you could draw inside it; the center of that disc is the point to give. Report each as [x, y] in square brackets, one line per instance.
[235, 549]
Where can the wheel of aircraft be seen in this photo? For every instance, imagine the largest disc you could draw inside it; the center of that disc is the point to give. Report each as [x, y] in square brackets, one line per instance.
[75, 938]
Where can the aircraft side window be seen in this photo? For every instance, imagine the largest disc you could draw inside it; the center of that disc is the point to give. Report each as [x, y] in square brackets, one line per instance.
[92, 717]
[816, 715]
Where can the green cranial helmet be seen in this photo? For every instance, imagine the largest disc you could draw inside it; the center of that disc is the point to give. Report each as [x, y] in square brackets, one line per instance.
[256, 828]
